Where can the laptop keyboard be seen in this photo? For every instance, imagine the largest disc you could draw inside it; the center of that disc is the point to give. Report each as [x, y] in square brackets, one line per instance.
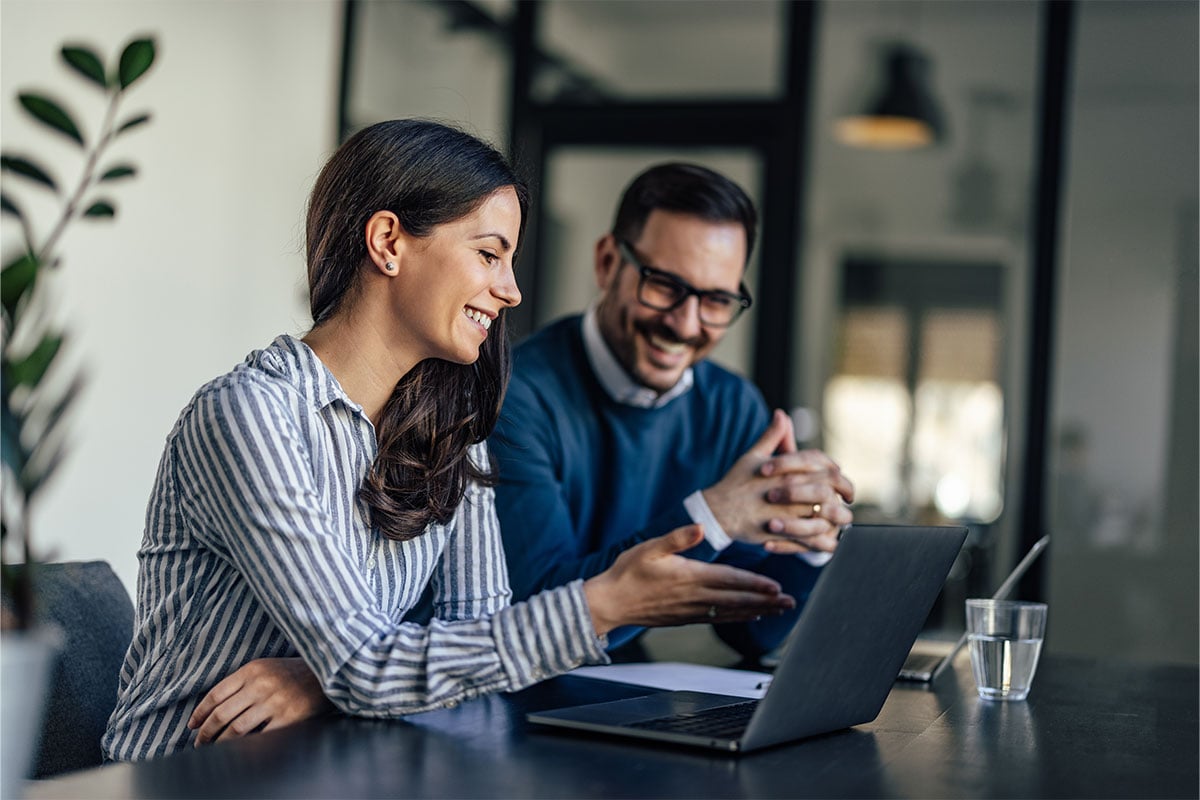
[725, 722]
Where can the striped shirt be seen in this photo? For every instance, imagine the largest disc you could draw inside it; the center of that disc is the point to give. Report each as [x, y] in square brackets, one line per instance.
[256, 545]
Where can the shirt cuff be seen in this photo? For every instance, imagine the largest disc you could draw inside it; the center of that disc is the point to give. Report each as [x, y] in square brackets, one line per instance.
[550, 633]
[718, 539]
[818, 558]
[701, 514]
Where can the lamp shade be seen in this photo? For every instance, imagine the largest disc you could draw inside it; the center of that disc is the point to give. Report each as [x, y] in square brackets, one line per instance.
[903, 115]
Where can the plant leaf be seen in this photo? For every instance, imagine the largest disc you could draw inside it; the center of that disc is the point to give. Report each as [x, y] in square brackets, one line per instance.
[44, 459]
[30, 370]
[51, 113]
[119, 171]
[86, 63]
[136, 58]
[57, 413]
[133, 122]
[17, 278]
[15, 456]
[50, 449]
[23, 166]
[100, 208]
[7, 206]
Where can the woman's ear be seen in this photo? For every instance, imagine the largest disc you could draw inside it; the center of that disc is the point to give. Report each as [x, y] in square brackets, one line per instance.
[385, 241]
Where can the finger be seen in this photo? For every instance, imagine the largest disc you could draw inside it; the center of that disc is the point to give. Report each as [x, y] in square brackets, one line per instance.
[244, 724]
[801, 506]
[799, 461]
[677, 541]
[735, 606]
[821, 543]
[788, 445]
[815, 487]
[225, 689]
[221, 717]
[844, 487]
[778, 435]
[802, 528]
[723, 577]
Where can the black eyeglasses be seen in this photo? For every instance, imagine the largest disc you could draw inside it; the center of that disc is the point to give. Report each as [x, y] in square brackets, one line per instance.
[663, 291]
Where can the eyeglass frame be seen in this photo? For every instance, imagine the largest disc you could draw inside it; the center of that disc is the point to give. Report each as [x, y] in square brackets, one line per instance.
[645, 271]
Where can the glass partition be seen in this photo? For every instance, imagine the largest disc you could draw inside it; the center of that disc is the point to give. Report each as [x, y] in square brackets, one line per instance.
[1122, 477]
[913, 298]
[446, 61]
[660, 49]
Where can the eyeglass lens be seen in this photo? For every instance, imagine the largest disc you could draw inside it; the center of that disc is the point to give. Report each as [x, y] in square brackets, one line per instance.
[663, 294]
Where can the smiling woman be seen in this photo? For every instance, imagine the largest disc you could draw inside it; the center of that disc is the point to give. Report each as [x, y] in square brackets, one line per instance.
[322, 529]
[415, 253]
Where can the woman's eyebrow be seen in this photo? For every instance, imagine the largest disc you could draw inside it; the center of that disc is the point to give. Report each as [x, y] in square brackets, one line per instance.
[504, 243]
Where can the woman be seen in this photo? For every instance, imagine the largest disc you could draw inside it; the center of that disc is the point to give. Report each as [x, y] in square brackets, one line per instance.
[329, 498]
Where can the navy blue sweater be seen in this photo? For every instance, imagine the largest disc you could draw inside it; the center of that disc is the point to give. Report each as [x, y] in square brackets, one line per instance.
[583, 478]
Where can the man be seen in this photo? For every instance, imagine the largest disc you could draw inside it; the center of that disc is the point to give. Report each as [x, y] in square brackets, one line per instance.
[616, 429]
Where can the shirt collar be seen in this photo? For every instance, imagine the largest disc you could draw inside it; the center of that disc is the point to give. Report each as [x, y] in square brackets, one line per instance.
[613, 377]
[311, 376]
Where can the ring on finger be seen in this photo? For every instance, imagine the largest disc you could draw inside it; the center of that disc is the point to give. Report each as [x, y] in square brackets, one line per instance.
[712, 612]
[816, 510]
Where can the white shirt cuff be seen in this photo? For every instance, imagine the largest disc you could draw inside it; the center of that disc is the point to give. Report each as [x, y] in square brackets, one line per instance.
[718, 539]
[818, 558]
[701, 514]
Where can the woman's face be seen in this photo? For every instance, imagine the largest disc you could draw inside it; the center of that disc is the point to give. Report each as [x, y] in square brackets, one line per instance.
[459, 278]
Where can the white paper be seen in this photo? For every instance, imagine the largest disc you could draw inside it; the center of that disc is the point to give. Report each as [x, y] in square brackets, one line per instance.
[677, 675]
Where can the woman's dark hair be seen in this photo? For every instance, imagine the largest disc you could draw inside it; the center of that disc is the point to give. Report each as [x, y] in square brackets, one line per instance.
[687, 189]
[427, 174]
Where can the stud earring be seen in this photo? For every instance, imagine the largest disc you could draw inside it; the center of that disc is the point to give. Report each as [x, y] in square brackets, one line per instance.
[390, 267]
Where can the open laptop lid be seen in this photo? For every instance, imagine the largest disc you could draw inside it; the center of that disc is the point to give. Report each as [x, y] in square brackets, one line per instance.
[856, 630]
[843, 655]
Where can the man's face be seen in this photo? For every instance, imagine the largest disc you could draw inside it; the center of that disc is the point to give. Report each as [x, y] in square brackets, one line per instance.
[655, 347]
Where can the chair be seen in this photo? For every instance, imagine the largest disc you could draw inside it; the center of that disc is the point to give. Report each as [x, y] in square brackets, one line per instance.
[91, 606]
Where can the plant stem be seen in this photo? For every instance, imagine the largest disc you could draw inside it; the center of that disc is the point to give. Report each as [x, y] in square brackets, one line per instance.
[85, 180]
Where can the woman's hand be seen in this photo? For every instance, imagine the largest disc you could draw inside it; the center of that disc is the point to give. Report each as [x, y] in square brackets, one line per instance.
[651, 584]
[264, 694]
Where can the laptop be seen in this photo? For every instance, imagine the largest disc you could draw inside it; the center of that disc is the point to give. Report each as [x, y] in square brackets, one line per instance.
[929, 658]
[840, 662]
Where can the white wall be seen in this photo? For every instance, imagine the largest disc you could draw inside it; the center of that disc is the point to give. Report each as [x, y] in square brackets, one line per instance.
[204, 260]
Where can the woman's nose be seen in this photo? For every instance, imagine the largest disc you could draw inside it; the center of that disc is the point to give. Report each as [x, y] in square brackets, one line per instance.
[506, 289]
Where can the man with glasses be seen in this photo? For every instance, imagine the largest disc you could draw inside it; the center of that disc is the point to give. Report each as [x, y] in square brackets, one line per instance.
[616, 428]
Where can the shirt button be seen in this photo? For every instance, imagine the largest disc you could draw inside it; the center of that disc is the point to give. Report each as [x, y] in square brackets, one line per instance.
[371, 562]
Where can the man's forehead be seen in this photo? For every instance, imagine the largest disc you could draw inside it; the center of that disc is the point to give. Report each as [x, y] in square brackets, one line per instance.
[674, 241]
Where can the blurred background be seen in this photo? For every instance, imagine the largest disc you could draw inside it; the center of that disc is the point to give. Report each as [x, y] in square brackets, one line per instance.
[976, 284]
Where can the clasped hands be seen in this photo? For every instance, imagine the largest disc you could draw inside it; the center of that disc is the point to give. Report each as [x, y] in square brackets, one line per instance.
[787, 500]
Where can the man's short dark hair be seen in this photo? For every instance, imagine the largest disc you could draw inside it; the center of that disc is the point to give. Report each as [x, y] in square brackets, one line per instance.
[685, 189]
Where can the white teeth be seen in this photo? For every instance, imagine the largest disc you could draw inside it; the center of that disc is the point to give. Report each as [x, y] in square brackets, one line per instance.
[670, 347]
[479, 316]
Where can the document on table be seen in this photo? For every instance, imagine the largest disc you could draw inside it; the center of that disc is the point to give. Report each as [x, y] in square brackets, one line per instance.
[678, 675]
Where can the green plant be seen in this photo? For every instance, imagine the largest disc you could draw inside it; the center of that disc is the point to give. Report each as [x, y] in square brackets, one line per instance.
[36, 399]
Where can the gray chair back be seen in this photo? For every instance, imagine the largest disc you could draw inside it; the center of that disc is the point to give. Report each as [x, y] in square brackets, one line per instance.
[88, 602]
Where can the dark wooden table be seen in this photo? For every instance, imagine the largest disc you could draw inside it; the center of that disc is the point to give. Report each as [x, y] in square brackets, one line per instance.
[1088, 730]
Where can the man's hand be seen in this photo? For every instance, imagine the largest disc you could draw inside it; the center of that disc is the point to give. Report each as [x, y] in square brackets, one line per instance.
[264, 694]
[788, 501]
[651, 584]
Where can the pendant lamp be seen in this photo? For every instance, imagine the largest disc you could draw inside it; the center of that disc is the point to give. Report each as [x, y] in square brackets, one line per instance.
[904, 114]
